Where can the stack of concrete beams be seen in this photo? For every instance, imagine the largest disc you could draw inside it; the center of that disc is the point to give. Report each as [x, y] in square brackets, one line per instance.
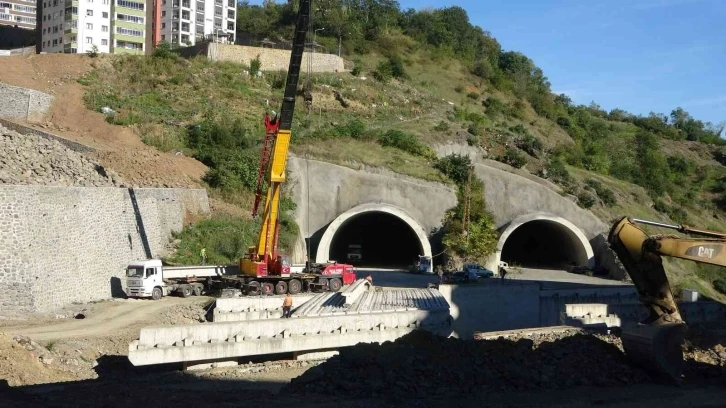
[328, 321]
[253, 308]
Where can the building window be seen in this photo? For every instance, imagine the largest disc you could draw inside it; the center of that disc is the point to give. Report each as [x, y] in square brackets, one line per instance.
[73, 38]
[55, 42]
[104, 29]
[230, 26]
[130, 4]
[163, 38]
[89, 26]
[129, 18]
[104, 14]
[129, 45]
[26, 9]
[8, 19]
[104, 42]
[129, 31]
[89, 13]
[89, 40]
[163, 25]
[106, 2]
[163, 13]
[230, 14]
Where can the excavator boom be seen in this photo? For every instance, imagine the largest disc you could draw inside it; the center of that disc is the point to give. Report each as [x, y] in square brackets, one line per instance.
[655, 342]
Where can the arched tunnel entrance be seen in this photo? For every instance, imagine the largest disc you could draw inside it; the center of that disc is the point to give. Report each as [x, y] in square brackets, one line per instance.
[543, 241]
[382, 235]
[381, 239]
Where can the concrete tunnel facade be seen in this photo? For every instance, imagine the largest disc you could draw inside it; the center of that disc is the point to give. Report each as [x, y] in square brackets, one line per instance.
[543, 240]
[327, 241]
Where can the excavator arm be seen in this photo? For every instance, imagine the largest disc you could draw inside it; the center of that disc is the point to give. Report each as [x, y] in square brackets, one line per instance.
[655, 342]
[263, 259]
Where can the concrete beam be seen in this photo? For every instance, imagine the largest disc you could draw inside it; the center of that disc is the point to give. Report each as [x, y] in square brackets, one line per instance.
[355, 291]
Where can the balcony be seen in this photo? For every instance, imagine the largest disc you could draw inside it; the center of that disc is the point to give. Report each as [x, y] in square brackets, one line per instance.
[186, 16]
[231, 4]
[186, 4]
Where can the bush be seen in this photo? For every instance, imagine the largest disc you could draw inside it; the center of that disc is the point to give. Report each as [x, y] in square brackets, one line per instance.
[454, 166]
[494, 106]
[473, 95]
[278, 79]
[458, 89]
[585, 199]
[391, 68]
[164, 51]
[255, 65]
[93, 52]
[355, 129]
[513, 157]
[404, 141]
[606, 195]
[557, 171]
[357, 68]
[530, 144]
[443, 126]
[475, 129]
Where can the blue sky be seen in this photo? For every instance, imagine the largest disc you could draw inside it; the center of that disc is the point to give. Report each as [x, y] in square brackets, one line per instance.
[637, 55]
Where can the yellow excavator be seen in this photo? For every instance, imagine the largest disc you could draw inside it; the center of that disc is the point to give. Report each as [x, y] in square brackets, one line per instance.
[655, 343]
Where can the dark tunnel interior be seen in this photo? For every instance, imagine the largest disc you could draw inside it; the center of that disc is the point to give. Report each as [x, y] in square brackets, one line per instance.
[385, 241]
[543, 244]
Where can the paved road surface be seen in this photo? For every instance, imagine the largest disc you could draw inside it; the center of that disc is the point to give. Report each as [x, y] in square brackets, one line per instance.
[549, 278]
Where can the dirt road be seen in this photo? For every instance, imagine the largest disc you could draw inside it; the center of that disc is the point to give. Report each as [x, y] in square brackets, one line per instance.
[105, 320]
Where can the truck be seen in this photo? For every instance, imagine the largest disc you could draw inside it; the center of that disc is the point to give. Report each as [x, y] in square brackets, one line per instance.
[263, 270]
[151, 279]
[355, 253]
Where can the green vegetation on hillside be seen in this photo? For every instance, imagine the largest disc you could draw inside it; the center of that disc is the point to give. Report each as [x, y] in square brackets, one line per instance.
[420, 79]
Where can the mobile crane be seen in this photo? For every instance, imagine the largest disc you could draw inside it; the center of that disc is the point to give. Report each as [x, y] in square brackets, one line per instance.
[264, 264]
[264, 270]
[655, 343]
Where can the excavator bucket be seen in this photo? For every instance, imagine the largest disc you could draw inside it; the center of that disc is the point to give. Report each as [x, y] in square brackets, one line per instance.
[655, 343]
[656, 349]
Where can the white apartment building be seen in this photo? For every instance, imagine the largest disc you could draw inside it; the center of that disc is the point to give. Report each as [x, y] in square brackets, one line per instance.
[184, 22]
[19, 13]
[75, 26]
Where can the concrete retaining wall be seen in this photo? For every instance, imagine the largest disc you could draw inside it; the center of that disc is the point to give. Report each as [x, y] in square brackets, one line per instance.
[515, 305]
[22, 103]
[25, 130]
[271, 59]
[60, 245]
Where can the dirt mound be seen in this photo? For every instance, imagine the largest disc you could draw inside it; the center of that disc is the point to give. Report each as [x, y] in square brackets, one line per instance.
[29, 159]
[423, 364]
[117, 147]
[25, 362]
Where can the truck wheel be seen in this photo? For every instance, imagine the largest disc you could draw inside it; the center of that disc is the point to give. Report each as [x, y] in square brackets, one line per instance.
[185, 290]
[324, 283]
[294, 287]
[156, 294]
[267, 288]
[253, 288]
[197, 290]
[334, 285]
[281, 287]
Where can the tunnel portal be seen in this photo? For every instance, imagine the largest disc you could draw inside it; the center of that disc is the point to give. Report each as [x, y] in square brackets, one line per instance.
[384, 240]
[544, 243]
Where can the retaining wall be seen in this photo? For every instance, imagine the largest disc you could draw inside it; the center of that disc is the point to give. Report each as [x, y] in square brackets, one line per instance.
[22, 103]
[271, 59]
[60, 245]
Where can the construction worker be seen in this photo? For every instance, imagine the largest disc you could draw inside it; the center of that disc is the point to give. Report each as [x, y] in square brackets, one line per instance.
[203, 256]
[440, 272]
[369, 279]
[286, 306]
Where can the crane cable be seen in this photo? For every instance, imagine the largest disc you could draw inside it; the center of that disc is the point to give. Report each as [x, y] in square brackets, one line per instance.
[307, 151]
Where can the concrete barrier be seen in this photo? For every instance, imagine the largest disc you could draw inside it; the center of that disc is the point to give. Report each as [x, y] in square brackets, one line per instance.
[613, 315]
[222, 341]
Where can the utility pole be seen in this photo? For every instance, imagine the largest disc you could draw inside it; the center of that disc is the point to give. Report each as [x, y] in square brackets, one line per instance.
[467, 206]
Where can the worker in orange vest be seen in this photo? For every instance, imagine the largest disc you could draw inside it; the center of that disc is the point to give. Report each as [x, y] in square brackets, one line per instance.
[286, 306]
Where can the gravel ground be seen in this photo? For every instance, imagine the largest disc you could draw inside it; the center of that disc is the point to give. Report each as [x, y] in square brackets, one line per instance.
[28, 159]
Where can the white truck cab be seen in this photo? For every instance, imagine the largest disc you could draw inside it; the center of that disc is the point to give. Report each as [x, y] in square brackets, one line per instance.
[145, 279]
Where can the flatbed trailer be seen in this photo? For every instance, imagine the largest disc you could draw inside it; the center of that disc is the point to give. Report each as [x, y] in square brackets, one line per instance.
[150, 278]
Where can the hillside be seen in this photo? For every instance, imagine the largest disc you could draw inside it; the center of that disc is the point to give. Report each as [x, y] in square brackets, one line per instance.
[409, 90]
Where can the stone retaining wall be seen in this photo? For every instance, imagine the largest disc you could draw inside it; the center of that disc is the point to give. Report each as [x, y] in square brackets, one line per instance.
[22, 103]
[60, 245]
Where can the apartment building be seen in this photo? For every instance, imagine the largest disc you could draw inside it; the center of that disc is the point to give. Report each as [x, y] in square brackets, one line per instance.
[184, 22]
[20, 13]
[76, 26]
